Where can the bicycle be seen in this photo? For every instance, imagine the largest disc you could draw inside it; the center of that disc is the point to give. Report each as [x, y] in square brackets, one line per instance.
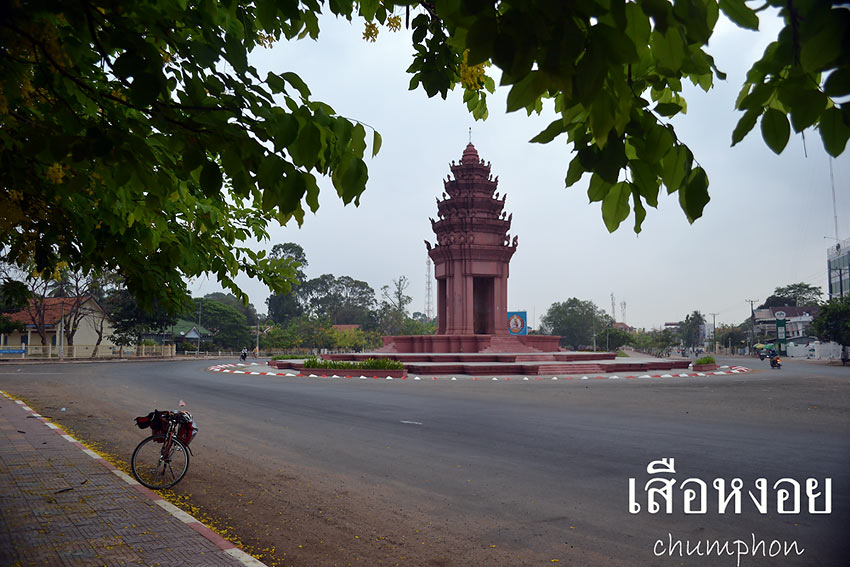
[162, 460]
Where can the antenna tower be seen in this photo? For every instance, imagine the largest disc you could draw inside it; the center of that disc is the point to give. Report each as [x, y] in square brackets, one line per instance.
[429, 313]
[623, 310]
[613, 307]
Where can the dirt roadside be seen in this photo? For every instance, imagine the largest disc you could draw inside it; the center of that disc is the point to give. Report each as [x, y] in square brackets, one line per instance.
[283, 516]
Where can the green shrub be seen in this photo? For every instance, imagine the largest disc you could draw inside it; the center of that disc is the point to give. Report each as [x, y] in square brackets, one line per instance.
[368, 364]
[705, 360]
[621, 354]
[289, 356]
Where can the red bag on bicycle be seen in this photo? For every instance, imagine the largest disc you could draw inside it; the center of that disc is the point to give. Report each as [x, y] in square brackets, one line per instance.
[187, 429]
[156, 420]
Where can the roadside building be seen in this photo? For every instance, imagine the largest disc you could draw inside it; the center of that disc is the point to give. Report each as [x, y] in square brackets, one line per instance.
[797, 321]
[182, 330]
[76, 326]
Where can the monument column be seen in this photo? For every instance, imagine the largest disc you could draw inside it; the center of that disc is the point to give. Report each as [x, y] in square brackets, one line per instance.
[473, 251]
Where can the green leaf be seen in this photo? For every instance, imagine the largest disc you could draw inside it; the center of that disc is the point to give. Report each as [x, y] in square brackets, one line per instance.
[270, 174]
[553, 130]
[283, 129]
[615, 205]
[524, 93]
[193, 158]
[210, 178]
[376, 143]
[645, 181]
[740, 13]
[657, 143]
[129, 64]
[807, 109]
[296, 82]
[775, 130]
[659, 11]
[368, 8]
[145, 89]
[833, 131]
[275, 82]
[312, 193]
[618, 46]
[697, 19]
[598, 188]
[676, 165]
[306, 147]
[574, 172]
[757, 97]
[668, 108]
[637, 25]
[640, 211]
[354, 181]
[838, 83]
[602, 117]
[818, 52]
[592, 68]
[745, 124]
[669, 50]
[693, 196]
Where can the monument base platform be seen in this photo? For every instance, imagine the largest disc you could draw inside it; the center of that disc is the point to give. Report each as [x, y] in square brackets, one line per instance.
[500, 355]
[470, 344]
[482, 363]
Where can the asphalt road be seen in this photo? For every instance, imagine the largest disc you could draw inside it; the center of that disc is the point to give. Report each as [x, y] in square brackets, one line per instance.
[529, 472]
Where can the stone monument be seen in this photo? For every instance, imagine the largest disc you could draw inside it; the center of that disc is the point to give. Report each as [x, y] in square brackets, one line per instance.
[471, 264]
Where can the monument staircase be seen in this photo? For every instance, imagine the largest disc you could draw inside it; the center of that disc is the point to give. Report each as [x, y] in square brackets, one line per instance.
[509, 344]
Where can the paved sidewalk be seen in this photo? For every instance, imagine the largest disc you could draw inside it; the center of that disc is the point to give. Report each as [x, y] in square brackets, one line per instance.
[62, 505]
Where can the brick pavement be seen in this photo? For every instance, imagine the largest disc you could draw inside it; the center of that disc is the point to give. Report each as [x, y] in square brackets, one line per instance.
[62, 505]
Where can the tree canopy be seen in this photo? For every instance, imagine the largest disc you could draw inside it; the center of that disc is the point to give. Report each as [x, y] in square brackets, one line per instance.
[576, 321]
[139, 138]
[798, 294]
[833, 321]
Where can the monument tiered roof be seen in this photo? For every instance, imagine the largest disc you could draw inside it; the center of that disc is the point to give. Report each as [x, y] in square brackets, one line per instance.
[471, 213]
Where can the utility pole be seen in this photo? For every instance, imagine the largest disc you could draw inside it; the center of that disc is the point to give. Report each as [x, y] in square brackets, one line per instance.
[752, 317]
[714, 332]
[429, 313]
[198, 353]
[593, 329]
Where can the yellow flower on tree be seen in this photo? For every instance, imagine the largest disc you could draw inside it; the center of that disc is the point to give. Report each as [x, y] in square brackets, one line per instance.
[55, 173]
[370, 33]
[472, 77]
[394, 23]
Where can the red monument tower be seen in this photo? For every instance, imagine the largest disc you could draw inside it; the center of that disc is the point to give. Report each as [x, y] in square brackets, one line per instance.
[471, 260]
[473, 251]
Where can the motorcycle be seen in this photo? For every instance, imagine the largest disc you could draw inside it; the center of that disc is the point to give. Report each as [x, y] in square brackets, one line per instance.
[775, 362]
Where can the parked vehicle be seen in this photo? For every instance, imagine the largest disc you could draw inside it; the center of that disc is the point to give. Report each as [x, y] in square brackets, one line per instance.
[161, 460]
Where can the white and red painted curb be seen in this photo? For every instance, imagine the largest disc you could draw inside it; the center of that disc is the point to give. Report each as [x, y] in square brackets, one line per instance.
[226, 546]
[242, 369]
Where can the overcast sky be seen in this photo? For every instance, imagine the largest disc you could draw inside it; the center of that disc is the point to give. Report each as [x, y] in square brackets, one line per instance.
[764, 227]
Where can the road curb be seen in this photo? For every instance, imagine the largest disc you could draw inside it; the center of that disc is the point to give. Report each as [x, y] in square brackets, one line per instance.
[226, 546]
[238, 368]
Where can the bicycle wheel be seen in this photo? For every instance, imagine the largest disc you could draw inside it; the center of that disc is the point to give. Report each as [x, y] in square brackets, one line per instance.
[156, 468]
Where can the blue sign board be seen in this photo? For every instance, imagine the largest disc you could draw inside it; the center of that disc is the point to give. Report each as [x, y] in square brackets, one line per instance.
[518, 322]
[12, 351]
